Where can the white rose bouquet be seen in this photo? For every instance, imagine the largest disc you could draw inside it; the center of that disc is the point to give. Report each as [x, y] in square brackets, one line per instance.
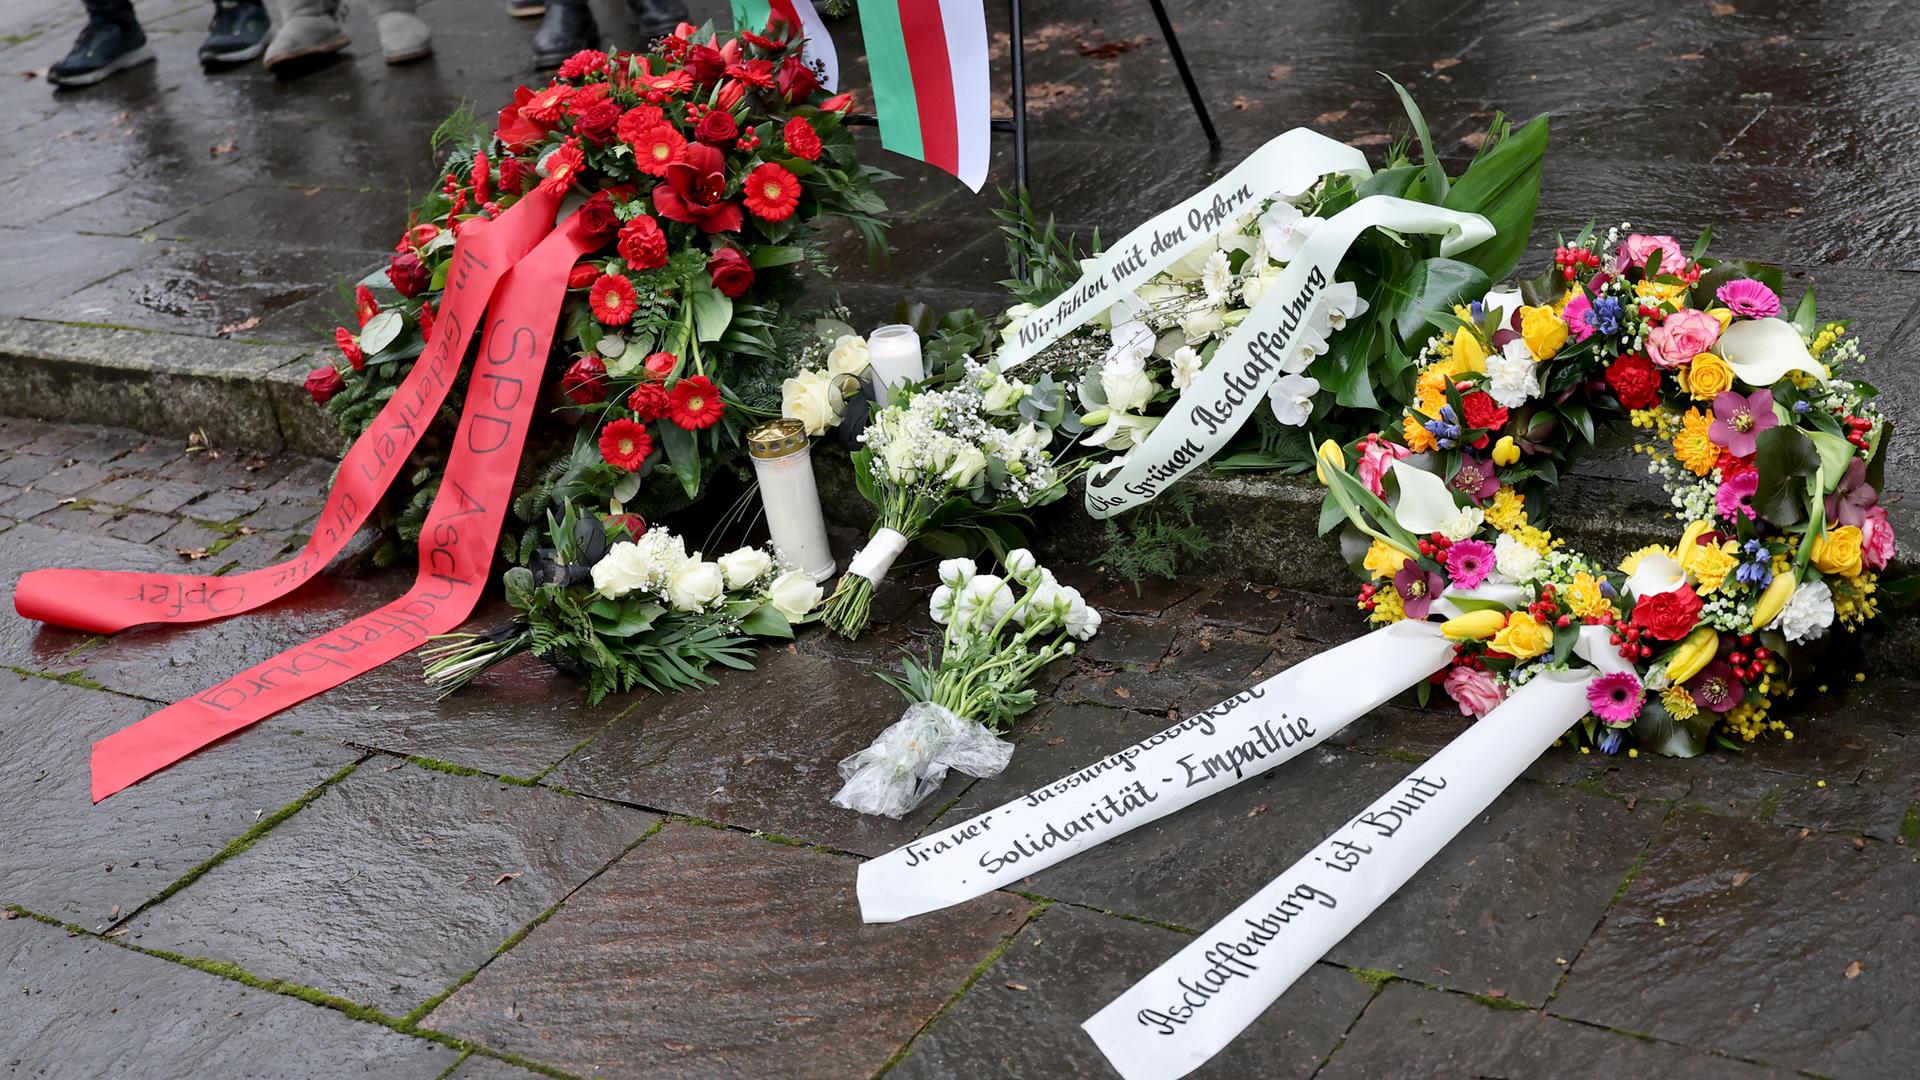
[938, 463]
[997, 633]
[828, 372]
[632, 613]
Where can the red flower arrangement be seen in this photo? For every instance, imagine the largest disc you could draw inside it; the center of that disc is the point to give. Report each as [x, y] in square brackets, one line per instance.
[625, 444]
[613, 299]
[772, 192]
[694, 403]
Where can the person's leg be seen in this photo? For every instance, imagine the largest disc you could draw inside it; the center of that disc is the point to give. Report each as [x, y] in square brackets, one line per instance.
[403, 36]
[567, 28]
[111, 41]
[309, 29]
[654, 19]
[237, 34]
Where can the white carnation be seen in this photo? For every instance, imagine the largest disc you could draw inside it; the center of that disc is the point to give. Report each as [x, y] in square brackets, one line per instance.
[1513, 375]
[1808, 612]
[1514, 560]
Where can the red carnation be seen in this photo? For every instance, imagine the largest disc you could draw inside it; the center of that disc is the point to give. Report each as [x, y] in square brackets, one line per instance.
[732, 274]
[648, 401]
[585, 380]
[694, 403]
[772, 192]
[1635, 381]
[583, 63]
[625, 444]
[547, 106]
[583, 275]
[323, 383]
[1483, 411]
[598, 123]
[717, 128]
[1731, 466]
[425, 319]
[658, 149]
[632, 525]
[797, 81]
[349, 347]
[597, 216]
[695, 191]
[660, 365]
[410, 276]
[802, 140]
[642, 243]
[636, 121]
[1668, 616]
[364, 305]
[612, 299]
[563, 168]
[704, 64]
[514, 129]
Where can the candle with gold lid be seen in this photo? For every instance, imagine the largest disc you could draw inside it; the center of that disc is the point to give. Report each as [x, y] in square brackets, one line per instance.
[783, 463]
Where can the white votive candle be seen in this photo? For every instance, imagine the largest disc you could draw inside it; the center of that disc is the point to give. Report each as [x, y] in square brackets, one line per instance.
[894, 352]
[783, 463]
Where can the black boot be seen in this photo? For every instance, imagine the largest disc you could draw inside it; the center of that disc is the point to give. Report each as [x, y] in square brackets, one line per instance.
[655, 19]
[105, 45]
[565, 29]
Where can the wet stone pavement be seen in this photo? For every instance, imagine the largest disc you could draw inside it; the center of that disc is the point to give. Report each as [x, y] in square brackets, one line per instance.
[511, 883]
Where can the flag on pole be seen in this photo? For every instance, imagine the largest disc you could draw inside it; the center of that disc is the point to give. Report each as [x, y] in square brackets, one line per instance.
[930, 89]
[799, 14]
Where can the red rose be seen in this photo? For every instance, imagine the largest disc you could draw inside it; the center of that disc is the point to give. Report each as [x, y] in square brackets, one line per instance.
[732, 274]
[802, 140]
[582, 276]
[694, 403]
[797, 81]
[323, 383]
[583, 63]
[717, 128]
[695, 192]
[597, 124]
[625, 444]
[772, 192]
[632, 526]
[648, 401]
[1483, 411]
[512, 176]
[637, 121]
[613, 300]
[705, 64]
[1668, 616]
[409, 275]
[349, 347]
[660, 365]
[597, 216]
[514, 128]
[642, 243]
[585, 380]
[1635, 381]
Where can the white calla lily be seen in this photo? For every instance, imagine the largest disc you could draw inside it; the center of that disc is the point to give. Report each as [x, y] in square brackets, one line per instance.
[1762, 351]
[1655, 574]
[1425, 504]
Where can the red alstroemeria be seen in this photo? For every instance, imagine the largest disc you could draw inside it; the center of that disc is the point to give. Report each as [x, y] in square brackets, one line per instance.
[612, 299]
[643, 244]
[564, 166]
[364, 305]
[637, 121]
[549, 105]
[694, 403]
[649, 401]
[323, 383]
[625, 444]
[695, 192]
[772, 192]
[585, 380]
[802, 141]
[349, 347]
[658, 149]
[514, 128]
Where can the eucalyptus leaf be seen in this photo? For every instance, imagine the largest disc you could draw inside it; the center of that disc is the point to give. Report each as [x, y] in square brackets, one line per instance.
[381, 331]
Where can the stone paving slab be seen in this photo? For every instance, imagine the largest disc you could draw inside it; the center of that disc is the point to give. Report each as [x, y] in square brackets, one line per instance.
[393, 884]
[80, 1006]
[706, 952]
[1022, 1016]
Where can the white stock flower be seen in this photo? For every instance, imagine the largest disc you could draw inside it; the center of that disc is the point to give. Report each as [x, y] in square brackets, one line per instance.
[794, 594]
[849, 356]
[621, 570]
[940, 606]
[1216, 277]
[1292, 398]
[1513, 375]
[956, 572]
[1808, 612]
[1083, 620]
[1186, 365]
[811, 399]
[1021, 565]
[695, 585]
[1047, 604]
[1514, 560]
[984, 600]
[743, 566]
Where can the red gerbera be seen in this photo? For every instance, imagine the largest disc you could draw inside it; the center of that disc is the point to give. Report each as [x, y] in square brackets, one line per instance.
[802, 140]
[657, 148]
[695, 403]
[772, 192]
[625, 444]
[364, 305]
[563, 168]
[648, 401]
[349, 347]
[612, 300]
[660, 87]
[546, 106]
[584, 62]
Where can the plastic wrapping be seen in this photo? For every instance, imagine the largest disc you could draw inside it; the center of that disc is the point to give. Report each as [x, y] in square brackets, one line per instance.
[907, 762]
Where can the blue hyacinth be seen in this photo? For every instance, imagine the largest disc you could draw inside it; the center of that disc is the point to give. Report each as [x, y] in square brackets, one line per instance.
[1604, 316]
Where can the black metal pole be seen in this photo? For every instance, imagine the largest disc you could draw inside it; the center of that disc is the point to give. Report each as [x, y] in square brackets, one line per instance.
[1179, 62]
[1019, 52]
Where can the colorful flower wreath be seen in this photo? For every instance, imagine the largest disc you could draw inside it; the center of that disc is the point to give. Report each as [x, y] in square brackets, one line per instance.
[1771, 458]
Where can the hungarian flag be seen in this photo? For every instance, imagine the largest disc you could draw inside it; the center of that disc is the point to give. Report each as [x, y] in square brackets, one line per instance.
[799, 15]
[929, 65]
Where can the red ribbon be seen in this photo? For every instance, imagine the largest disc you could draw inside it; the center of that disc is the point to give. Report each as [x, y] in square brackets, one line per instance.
[457, 543]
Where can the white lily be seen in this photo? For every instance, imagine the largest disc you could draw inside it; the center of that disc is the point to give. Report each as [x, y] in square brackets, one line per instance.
[1426, 504]
[1655, 574]
[1762, 351]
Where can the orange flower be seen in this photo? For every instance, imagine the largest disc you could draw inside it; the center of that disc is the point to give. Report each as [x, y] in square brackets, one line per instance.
[1693, 446]
[1418, 438]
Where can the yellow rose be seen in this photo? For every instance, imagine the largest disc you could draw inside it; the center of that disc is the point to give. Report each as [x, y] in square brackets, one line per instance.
[1383, 560]
[1543, 331]
[1708, 376]
[1838, 551]
[1468, 352]
[1524, 637]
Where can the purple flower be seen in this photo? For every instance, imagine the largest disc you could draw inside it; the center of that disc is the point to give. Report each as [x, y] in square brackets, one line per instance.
[1749, 299]
[1716, 688]
[1849, 503]
[1469, 562]
[1476, 480]
[1615, 698]
[1738, 419]
[1735, 497]
[1418, 587]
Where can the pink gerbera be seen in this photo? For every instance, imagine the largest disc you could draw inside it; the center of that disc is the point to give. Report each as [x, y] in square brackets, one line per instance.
[1615, 698]
[1749, 299]
[1469, 562]
[1734, 500]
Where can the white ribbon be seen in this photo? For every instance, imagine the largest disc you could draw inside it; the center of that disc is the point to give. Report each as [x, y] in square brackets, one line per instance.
[1172, 1021]
[876, 558]
[1287, 165]
[1224, 394]
[1238, 739]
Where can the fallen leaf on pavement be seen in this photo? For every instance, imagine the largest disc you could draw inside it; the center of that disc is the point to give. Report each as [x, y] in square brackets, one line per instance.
[222, 149]
[194, 554]
[1022, 987]
[245, 324]
[1446, 62]
[1854, 969]
[1740, 878]
[508, 877]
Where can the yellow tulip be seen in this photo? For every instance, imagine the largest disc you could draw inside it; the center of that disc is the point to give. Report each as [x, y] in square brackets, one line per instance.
[1694, 652]
[1505, 452]
[1474, 625]
[1468, 352]
[1772, 600]
[1330, 454]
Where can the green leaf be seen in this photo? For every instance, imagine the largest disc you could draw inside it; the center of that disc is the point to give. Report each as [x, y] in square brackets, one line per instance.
[1397, 182]
[1503, 185]
[683, 455]
[1783, 455]
[1436, 174]
[771, 255]
[1700, 245]
[1427, 295]
[712, 311]
[1579, 417]
[1836, 454]
[766, 621]
[381, 331]
[625, 488]
[1804, 319]
[1563, 641]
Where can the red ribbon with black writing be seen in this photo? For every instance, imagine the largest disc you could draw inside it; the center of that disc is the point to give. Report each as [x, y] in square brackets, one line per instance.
[456, 547]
